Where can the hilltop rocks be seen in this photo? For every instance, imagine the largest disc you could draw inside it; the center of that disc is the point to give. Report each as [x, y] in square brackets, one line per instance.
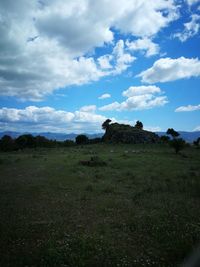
[121, 133]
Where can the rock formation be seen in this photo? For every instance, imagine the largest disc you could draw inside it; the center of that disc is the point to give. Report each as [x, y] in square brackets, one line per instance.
[121, 133]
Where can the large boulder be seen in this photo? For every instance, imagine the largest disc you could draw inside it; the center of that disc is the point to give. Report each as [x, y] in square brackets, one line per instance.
[121, 133]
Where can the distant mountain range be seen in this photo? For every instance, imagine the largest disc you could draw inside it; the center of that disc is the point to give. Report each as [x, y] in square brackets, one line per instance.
[187, 136]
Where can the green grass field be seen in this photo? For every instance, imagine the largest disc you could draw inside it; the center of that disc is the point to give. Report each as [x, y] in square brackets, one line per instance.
[141, 209]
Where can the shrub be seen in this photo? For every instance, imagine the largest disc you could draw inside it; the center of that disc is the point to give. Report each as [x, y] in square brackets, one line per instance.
[25, 141]
[68, 143]
[197, 142]
[7, 143]
[81, 139]
[164, 139]
[178, 144]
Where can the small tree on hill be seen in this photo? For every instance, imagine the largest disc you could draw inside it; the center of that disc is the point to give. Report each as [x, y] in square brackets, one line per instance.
[81, 139]
[139, 125]
[106, 124]
[172, 132]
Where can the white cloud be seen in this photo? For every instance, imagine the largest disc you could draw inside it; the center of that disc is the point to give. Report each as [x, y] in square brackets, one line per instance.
[91, 108]
[104, 61]
[188, 108]
[168, 69]
[104, 96]
[45, 44]
[138, 98]
[141, 90]
[197, 129]
[37, 119]
[146, 45]
[123, 59]
[152, 128]
[139, 14]
[190, 29]
[192, 2]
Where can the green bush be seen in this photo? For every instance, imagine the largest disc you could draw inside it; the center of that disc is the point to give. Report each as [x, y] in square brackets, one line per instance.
[178, 144]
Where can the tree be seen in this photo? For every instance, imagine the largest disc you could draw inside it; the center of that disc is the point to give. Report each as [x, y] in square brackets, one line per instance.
[26, 141]
[41, 141]
[95, 140]
[81, 139]
[172, 132]
[139, 125]
[178, 144]
[68, 143]
[164, 138]
[197, 142]
[106, 124]
[7, 143]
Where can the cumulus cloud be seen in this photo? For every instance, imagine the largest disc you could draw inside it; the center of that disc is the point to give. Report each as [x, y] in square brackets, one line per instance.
[188, 108]
[44, 45]
[168, 69]
[104, 96]
[190, 29]
[145, 45]
[38, 119]
[138, 98]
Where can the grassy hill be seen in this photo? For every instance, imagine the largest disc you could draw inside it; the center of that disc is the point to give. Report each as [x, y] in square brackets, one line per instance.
[140, 208]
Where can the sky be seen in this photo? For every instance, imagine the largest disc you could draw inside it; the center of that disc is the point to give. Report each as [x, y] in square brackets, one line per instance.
[68, 65]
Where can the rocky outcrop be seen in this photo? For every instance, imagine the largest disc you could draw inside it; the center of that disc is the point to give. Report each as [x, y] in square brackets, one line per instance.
[121, 133]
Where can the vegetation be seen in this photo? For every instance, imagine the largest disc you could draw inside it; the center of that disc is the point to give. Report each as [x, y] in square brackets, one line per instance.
[172, 132]
[164, 139]
[197, 142]
[25, 141]
[141, 208]
[7, 143]
[81, 139]
[139, 125]
[178, 144]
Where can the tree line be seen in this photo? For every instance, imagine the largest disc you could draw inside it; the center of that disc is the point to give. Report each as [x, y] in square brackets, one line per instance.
[7, 143]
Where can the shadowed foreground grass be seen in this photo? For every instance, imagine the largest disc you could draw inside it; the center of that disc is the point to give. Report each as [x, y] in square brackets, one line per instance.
[140, 209]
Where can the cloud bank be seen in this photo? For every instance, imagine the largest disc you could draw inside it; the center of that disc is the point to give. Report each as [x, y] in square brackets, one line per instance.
[42, 119]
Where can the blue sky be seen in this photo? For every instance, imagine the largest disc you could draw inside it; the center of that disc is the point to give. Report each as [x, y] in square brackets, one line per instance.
[66, 66]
